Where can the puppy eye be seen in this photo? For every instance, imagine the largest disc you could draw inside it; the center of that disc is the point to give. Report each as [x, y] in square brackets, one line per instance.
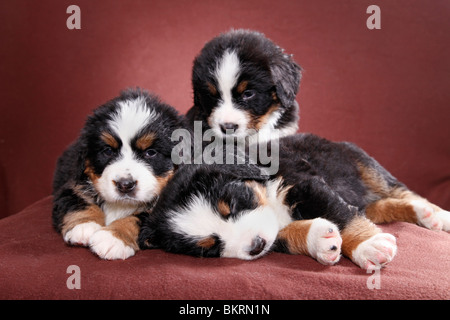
[149, 153]
[248, 94]
[108, 151]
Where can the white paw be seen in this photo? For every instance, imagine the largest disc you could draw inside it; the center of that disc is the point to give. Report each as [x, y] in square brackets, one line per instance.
[81, 233]
[375, 252]
[324, 241]
[108, 247]
[444, 216]
[428, 218]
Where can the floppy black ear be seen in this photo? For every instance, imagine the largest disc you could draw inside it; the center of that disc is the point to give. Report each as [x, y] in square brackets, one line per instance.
[286, 75]
[81, 159]
[70, 166]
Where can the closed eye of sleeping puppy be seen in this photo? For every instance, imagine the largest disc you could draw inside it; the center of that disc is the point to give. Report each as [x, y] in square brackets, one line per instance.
[116, 169]
[323, 202]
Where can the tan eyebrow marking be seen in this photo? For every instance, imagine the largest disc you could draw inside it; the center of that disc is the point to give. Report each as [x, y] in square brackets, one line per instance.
[212, 89]
[109, 140]
[242, 86]
[206, 242]
[145, 141]
[224, 209]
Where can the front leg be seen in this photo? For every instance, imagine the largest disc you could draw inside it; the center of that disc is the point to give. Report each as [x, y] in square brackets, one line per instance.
[118, 240]
[79, 226]
[317, 238]
[76, 219]
[365, 244]
[320, 213]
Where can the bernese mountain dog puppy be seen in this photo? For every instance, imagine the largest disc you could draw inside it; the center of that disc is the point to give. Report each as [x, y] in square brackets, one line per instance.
[245, 84]
[116, 169]
[322, 202]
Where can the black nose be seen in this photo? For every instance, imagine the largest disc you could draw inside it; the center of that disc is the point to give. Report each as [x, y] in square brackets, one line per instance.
[228, 126]
[125, 185]
[258, 245]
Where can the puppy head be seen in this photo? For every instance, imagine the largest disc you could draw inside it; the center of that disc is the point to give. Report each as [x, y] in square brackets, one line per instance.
[127, 147]
[214, 214]
[244, 83]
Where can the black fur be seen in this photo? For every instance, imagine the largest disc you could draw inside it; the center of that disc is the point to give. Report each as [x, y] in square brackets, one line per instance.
[73, 189]
[322, 179]
[325, 178]
[264, 65]
[212, 182]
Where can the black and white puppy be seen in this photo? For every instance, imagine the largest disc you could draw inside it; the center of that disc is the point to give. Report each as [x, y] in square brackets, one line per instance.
[116, 169]
[324, 200]
[245, 84]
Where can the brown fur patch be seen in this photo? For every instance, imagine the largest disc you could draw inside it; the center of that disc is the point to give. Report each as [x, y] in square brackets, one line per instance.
[242, 86]
[223, 208]
[372, 179]
[109, 140]
[259, 191]
[395, 203]
[211, 88]
[126, 229]
[282, 192]
[206, 242]
[396, 207]
[391, 209]
[91, 214]
[274, 96]
[258, 122]
[163, 181]
[358, 230]
[89, 171]
[145, 141]
[294, 235]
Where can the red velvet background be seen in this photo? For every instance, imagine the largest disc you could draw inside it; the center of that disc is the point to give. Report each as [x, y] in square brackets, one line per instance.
[387, 90]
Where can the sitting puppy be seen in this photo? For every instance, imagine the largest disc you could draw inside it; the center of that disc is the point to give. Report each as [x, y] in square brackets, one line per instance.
[323, 201]
[117, 168]
[243, 83]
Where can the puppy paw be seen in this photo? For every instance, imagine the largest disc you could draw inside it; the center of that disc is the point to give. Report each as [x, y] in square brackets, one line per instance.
[444, 217]
[107, 246]
[431, 217]
[81, 233]
[375, 252]
[324, 241]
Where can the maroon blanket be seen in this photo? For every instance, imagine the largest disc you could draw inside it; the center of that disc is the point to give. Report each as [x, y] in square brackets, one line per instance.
[34, 265]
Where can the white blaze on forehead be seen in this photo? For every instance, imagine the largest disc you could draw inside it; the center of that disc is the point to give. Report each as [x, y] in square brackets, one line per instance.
[200, 220]
[132, 116]
[227, 73]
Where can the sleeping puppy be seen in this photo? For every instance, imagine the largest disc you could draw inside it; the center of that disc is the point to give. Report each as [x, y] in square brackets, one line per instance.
[117, 168]
[321, 203]
[245, 84]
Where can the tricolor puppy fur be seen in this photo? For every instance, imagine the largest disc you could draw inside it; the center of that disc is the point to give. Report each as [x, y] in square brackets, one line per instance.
[324, 201]
[243, 83]
[116, 169]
